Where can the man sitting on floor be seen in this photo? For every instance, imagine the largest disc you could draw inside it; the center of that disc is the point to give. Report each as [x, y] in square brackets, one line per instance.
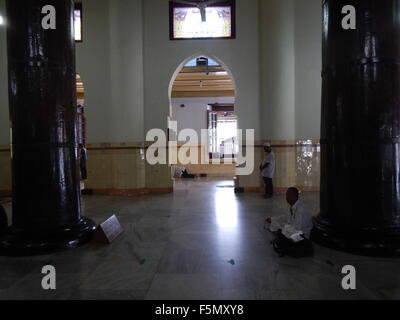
[292, 230]
[187, 175]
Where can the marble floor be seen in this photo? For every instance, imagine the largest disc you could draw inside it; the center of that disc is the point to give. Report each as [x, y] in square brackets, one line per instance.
[202, 242]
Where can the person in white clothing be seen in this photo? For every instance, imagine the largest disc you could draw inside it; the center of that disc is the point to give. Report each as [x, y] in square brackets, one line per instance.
[267, 168]
[293, 229]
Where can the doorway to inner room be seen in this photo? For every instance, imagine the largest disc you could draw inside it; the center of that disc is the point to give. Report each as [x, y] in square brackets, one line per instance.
[202, 100]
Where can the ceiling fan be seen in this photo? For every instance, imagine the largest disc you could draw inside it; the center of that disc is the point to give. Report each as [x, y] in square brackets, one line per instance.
[202, 5]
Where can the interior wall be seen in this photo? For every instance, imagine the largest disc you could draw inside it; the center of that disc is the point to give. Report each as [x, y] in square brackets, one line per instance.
[162, 57]
[110, 62]
[93, 65]
[277, 69]
[308, 46]
[194, 114]
[126, 58]
[291, 49]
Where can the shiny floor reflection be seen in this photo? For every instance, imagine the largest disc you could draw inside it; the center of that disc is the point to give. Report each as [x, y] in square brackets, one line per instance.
[202, 242]
[226, 207]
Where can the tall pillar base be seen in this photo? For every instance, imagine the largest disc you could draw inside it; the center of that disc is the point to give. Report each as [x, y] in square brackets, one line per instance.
[19, 243]
[365, 242]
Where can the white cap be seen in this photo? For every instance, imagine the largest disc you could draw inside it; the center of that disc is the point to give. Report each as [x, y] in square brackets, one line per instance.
[267, 145]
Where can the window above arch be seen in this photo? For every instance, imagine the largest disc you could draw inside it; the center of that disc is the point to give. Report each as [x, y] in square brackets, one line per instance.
[202, 19]
[195, 62]
[78, 22]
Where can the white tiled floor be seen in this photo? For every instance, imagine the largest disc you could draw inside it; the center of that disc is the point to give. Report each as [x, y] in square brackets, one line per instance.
[202, 242]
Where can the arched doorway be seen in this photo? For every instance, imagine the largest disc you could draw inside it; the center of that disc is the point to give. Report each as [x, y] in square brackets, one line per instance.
[202, 98]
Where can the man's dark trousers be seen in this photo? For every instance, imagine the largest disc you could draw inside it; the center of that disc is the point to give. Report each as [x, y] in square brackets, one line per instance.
[285, 246]
[269, 186]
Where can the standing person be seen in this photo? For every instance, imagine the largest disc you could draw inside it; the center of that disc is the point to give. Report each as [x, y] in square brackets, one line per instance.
[292, 230]
[83, 161]
[267, 168]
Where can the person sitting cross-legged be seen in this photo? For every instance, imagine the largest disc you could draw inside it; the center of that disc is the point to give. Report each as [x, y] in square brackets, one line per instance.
[292, 231]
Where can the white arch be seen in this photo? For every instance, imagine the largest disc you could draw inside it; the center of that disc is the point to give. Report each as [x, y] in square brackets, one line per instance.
[184, 62]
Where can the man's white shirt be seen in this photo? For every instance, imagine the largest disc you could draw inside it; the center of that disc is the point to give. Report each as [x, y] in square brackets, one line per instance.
[294, 225]
[269, 171]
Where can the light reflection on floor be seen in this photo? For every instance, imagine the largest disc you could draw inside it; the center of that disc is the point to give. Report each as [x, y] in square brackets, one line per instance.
[201, 242]
[226, 208]
[229, 230]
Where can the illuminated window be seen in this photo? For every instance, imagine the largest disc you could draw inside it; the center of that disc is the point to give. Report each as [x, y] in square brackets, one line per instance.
[78, 22]
[210, 63]
[1, 20]
[222, 131]
[216, 21]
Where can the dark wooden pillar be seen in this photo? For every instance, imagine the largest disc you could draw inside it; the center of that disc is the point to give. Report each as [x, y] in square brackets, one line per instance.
[360, 174]
[42, 98]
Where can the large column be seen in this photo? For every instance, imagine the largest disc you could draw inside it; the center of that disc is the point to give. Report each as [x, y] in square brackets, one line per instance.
[360, 174]
[42, 94]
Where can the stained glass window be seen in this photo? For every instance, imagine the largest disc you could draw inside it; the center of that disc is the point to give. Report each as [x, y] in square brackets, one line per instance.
[78, 22]
[187, 23]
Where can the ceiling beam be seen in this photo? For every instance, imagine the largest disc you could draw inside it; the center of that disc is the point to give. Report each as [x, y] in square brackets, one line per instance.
[204, 94]
[202, 69]
[204, 83]
[198, 88]
[201, 76]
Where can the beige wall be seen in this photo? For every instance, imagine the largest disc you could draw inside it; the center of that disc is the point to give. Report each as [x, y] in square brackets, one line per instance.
[110, 62]
[121, 168]
[204, 165]
[93, 65]
[127, 62]
[308, 60]
[115, 166]
[277, 69]
[297, 164]
[291, 48]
